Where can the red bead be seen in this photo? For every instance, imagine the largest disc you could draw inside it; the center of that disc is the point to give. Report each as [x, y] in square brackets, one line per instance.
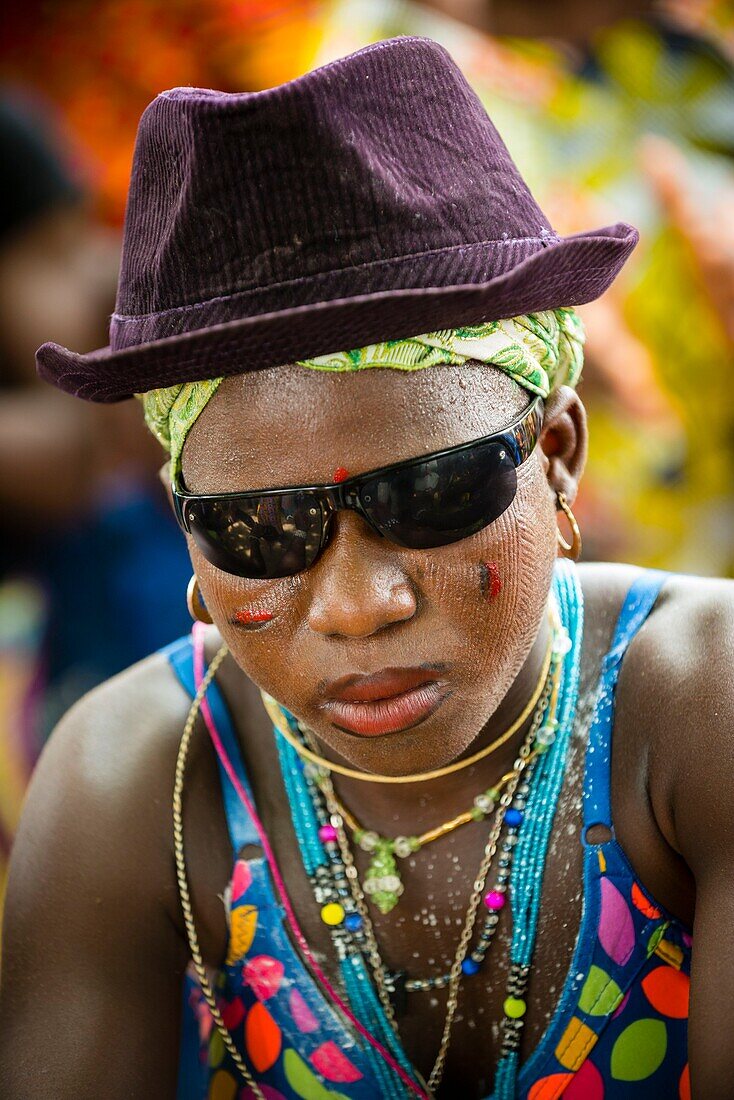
[326, 833]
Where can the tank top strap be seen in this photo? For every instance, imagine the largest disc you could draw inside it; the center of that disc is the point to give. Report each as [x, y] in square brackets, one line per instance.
[181, 656]
[638, 604]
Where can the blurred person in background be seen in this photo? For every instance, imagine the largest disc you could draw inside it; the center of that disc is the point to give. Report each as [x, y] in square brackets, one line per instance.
[576, 90]
[69, 581]
[80, 507]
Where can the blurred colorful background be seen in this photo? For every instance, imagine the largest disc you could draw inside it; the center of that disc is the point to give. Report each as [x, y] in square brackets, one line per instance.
[613, 110]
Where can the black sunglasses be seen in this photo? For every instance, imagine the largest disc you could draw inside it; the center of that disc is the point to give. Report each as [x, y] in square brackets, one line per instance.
[421, 503]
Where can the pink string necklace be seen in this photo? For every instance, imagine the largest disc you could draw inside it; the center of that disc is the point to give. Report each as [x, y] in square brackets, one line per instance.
[197, 632]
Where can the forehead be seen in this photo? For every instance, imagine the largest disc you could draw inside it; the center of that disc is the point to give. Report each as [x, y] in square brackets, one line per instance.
[292, 425]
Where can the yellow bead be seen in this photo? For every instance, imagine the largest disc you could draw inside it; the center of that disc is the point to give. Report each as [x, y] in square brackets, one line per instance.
[332, 913]
[514, 1008]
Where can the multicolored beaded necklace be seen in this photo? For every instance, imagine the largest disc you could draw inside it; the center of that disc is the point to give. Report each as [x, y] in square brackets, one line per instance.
[382, 881]
[494, 899]
[526, 810]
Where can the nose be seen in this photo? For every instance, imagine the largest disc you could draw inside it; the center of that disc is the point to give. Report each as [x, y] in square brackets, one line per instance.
[358, 584]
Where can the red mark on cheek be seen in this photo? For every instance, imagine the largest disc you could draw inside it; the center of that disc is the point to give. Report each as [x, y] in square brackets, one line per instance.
[491, 580]
[340, 474]
[247, 617]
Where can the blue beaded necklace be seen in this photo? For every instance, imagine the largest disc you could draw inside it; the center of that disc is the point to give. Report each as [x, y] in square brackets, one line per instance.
[527, 879]
[528, 826]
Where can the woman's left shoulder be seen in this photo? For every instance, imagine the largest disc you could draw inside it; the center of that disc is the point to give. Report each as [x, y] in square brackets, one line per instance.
[687, 641]
[698, 599]
[687, 646]
[675, 697]
[677, 689]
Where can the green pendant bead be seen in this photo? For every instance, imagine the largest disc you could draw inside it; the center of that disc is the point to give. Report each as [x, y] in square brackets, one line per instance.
[402, 846]
[368, 840]
[382, 882]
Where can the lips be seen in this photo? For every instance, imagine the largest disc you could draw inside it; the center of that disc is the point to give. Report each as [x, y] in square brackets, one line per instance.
[385, 702]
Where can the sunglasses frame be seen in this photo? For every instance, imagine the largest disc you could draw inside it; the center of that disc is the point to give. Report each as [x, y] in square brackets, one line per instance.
[520, 437]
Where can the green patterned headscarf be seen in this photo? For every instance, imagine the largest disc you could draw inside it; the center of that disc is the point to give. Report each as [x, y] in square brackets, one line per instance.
[541, 351]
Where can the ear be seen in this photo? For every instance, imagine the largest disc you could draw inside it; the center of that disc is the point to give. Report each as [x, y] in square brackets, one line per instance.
[165, 477]
[564, 441]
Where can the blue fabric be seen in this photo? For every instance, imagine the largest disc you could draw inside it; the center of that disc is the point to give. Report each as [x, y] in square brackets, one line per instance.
[607, 1034]
[637, 606]
[115, 582]
[242, 831]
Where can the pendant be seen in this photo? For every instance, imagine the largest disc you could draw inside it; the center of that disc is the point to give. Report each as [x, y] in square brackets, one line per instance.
[382, 882]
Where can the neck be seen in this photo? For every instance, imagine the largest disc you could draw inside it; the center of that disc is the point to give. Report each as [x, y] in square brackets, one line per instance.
[414, 807]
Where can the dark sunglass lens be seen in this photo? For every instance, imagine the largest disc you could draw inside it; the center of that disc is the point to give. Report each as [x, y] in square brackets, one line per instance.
[261, 537]
[444, 499]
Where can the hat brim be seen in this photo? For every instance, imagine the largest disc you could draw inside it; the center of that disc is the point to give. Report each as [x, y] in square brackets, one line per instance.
[569, 271]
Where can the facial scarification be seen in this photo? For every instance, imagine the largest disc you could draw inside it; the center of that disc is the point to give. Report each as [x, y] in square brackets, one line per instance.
[246, 616]
[490, 581]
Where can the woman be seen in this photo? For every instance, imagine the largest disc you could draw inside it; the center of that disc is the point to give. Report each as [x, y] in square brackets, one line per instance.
[394, 723]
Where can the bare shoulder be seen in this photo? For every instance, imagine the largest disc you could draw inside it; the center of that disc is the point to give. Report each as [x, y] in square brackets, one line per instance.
[117, 745]
[678, 682]
[604, 585]
[683, 653]
[699, 612]
[92, 901]
[101, 792]
[681, 661]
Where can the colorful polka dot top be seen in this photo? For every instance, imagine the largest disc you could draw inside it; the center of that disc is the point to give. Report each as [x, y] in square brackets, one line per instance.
[619, 1031]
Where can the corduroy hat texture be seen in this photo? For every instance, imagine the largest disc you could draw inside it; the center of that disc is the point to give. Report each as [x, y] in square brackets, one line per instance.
[366, 201]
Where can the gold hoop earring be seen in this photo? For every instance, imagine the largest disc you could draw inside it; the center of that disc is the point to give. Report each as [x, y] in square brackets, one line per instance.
[568, 549]
[195, 603]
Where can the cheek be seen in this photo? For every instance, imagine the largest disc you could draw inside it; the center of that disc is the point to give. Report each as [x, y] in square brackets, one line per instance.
[516, 571]
[504, 564]
[491, 590]
[255, 618]
[533, 551]
[490, 579]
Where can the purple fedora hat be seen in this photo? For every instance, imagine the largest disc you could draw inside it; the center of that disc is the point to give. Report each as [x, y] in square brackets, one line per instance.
[369, 200]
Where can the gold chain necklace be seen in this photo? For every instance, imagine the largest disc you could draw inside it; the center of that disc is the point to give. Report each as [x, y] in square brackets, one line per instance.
[548, 699]
[183, 882]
